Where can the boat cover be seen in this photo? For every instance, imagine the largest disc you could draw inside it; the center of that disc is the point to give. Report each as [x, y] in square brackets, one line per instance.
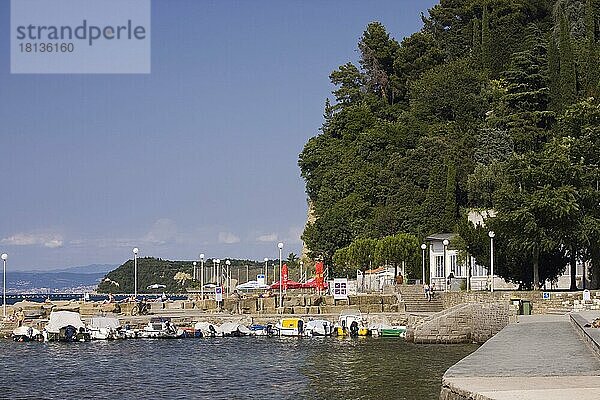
[60, 319]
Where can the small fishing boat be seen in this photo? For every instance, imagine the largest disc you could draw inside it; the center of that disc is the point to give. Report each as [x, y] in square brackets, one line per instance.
[290, 327]
[318, 327]
[105, 328]
[160, 328]
[351, 323]
[233, 329]
[27, 334]
[65, 326]
[207, 329]
[393, 331]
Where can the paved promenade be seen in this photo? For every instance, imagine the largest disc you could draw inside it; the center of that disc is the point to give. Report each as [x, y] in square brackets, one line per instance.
[541, 357]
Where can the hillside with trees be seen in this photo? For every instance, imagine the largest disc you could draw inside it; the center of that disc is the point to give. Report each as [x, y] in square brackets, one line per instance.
[177, 276]
[493, 104]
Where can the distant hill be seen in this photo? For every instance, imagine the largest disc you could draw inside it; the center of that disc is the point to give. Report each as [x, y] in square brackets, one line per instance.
[49, 281]
[88, 269]
[175, 275]
[79, 278]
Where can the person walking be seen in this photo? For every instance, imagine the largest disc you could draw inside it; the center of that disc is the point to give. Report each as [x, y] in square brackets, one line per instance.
[431, 291]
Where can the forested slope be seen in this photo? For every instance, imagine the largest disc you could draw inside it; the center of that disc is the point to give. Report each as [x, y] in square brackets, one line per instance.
[492, 104]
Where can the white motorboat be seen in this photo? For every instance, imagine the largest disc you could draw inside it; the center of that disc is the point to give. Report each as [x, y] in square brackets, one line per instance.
[27, 334]
[208, 329]
[160, 328]
[290, 327]
[65, 326]
[318, 327]
[105, 328]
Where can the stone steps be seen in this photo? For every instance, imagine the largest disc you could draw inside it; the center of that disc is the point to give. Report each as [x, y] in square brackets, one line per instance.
[415, 300]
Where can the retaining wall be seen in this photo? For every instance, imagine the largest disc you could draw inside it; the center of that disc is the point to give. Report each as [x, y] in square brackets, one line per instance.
[463, 323]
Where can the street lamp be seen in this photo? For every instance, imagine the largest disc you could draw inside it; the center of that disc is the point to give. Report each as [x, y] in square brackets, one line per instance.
[266, 271]
[280, 245]
[218, 270]
[423, 247]
[446, 243]
[491, 234]
[228, 263]
[135, 253]
[202, 275]
[301, 265]
[4, 257]
[194, 264]
[214, 271]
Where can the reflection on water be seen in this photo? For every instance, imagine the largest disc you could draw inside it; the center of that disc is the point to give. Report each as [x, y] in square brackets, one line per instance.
[227, 368]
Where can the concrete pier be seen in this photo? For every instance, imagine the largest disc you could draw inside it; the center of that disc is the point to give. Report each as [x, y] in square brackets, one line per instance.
[542, 357]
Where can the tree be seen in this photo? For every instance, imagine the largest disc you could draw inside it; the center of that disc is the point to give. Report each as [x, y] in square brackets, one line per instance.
[397, 250]
[568, 75]
[591, 51]
[555, 101]
[486, 45]
[342, 263]
[378, 52]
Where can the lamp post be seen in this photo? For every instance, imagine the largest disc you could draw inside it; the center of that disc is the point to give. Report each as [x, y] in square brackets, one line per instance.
[4, 257]
[266, 260]
[228, 263]
[423, 247]
[301, 265]
[446, 243]
[491, 234]
[218, 276]
[280, 245]
[214, 271]
[135, 253]
[202, 275]
[194, 264]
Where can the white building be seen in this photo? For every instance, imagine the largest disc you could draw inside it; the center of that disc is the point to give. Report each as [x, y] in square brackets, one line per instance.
[480, 279]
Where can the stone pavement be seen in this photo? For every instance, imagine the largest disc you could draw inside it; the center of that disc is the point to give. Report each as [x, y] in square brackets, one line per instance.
[541, 357]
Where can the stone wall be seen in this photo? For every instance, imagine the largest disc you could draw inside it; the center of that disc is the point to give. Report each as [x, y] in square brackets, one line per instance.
[558, 302]
[489, 319]
[462, 323]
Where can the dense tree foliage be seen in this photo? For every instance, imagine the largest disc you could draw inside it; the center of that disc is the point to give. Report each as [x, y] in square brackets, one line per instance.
[487, 106]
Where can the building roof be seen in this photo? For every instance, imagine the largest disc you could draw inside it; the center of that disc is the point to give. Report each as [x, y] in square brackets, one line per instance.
[441, 236]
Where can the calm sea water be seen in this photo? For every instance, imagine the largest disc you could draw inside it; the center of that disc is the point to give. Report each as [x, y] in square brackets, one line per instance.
[227, 368]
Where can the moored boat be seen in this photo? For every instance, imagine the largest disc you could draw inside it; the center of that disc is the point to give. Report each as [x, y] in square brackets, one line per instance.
[351, 323]
[27, 334]
[290, 327]
[66, 326]
[394, 331]
[318, 327]
[105, 328]
[160, 328]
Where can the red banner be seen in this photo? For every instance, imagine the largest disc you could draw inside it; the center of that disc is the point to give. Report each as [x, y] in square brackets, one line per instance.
[319, 278]
[284, 276]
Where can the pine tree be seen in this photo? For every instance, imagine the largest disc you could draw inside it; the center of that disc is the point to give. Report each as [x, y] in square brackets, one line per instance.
[486, 52]
[553, 74]
[591, 53]
[476, 45]
[526, 116]
[568, 76]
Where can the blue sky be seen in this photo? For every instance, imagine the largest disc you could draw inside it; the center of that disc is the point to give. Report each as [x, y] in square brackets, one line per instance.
[200, 155]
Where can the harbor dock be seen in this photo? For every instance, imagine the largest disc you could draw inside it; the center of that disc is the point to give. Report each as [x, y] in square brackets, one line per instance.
[541, 357]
